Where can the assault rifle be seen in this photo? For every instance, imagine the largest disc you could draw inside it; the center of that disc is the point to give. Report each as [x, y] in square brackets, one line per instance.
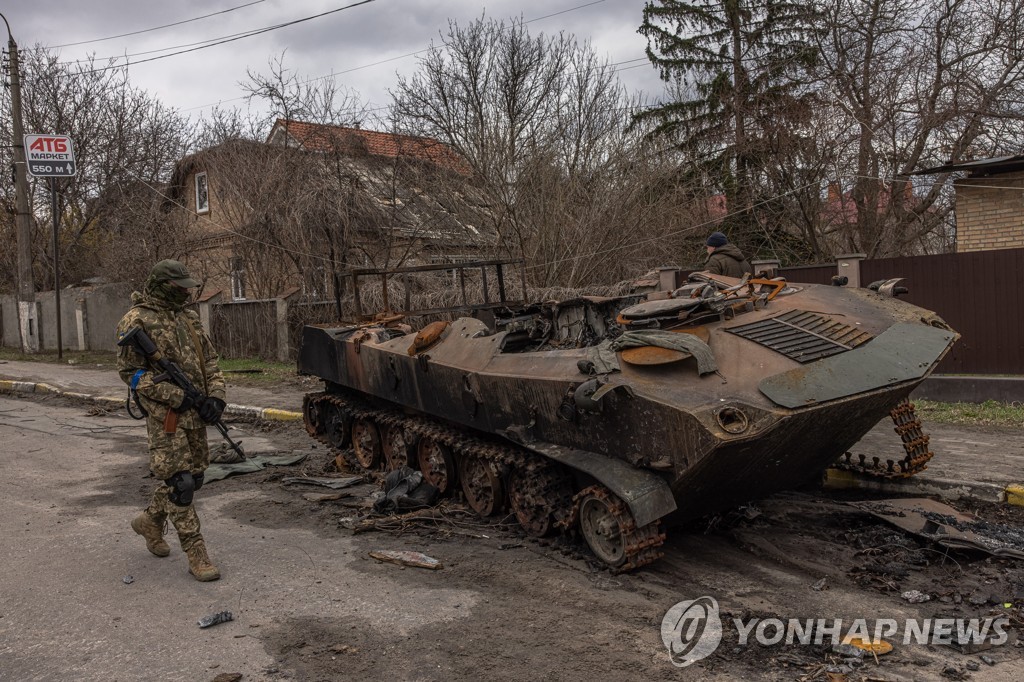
[138, 339]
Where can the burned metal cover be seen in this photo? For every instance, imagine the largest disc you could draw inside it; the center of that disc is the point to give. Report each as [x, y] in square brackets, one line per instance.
[903, 352]
[802, 335]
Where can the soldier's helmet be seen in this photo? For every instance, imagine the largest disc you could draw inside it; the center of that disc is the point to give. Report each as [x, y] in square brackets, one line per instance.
[173, 271]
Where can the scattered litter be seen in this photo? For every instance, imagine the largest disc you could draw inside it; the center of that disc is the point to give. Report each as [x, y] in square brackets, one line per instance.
[987, 660]
[228, 677]
[215, 619]
[973, 666]
[407, 558]
[510, 545]
[251, 464]
[848, 650]
[837, 673]
[405, 490]
[344, 649]
[323, 481]
[325, 497]
[946, 526]
[877, 648]
[916, 597]
[128, 580]
[820, 585]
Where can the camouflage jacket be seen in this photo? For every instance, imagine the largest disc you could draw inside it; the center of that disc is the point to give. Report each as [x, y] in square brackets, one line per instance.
[169, 329]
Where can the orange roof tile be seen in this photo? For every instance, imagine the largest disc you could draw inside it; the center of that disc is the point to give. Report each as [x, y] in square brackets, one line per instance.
[328, 138]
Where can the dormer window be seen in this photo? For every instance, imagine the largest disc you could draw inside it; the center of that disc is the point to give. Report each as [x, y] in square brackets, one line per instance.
[202, 194]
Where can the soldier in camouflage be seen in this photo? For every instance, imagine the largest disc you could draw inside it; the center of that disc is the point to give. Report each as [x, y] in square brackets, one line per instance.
[179, 458]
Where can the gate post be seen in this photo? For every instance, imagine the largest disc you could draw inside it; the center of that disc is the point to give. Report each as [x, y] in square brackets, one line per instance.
[281, 319]
[848, 265]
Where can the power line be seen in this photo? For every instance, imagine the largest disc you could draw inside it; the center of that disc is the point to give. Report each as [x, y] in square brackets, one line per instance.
[335, 74]
[232, 38]
[156, 28]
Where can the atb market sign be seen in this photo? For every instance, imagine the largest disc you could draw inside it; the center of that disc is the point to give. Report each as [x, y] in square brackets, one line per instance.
[50, 156]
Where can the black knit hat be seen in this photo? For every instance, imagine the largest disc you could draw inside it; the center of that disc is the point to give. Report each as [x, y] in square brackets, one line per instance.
[717, 239]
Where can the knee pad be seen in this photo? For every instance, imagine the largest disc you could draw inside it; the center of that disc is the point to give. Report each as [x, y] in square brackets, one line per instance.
[183, 487]
[198, 478]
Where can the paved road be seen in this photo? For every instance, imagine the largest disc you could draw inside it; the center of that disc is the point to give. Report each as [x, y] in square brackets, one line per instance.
[309, 605]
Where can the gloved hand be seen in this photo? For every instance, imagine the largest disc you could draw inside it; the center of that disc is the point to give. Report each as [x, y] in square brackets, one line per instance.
[186, 404]
[210, 410]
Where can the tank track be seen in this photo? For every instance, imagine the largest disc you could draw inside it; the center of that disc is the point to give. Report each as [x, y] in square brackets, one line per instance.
[915, 444]
[641, 544]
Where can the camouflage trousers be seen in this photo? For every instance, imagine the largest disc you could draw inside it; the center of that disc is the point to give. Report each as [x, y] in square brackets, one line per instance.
[169, 453]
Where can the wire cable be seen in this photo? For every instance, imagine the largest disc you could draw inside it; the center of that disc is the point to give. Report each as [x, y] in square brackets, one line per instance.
[155, 28]
[230, 39]
[334, 74]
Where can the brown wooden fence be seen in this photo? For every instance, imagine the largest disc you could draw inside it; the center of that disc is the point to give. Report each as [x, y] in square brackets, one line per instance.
[978, 293]
[245, 329]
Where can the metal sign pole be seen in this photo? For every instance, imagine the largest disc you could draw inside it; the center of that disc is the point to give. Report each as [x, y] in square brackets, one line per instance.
[56, 263]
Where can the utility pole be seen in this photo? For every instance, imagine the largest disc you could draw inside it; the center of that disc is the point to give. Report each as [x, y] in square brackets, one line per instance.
[28, 309]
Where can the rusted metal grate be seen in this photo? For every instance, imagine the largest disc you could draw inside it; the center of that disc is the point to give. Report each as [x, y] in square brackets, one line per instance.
[803, 336]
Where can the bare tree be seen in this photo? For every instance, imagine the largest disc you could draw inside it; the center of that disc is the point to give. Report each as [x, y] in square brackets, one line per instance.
[126, 143]
[544, 125]
[914, 83]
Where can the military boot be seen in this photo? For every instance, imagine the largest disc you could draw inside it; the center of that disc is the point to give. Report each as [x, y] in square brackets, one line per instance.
[144, 525]
[199, 563]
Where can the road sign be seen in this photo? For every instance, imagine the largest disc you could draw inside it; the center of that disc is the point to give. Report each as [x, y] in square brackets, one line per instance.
[50, 156]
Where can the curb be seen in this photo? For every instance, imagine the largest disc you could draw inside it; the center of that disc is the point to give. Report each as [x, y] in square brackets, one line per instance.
[945, 488]
[242, 411]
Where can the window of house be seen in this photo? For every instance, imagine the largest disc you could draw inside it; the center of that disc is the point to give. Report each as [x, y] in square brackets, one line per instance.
[202, 193]
[238, 284]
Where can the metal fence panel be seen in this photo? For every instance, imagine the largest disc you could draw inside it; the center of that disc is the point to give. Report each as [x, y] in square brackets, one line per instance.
[810, 274]
[978, 293]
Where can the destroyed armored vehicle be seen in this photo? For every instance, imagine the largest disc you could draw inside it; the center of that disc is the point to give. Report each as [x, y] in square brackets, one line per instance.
[603, 416]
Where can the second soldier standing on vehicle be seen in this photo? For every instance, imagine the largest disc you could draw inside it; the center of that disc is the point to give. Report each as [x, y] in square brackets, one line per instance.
[178, 454]
[724, 258]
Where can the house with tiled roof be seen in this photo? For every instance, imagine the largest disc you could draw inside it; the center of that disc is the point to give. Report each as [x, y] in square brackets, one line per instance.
[301, 209]
[358, 142]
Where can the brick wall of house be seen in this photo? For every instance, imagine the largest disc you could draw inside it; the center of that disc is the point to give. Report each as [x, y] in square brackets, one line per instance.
[988, 217]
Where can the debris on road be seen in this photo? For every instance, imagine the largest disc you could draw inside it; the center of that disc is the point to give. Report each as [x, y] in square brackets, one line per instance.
[228, 677]
[820, 585]
[324, 481]
[876, 648]
[916, 596]
[128, 580]
[252, 464]
[946, 526]
[215, 619]
[405, 489]
[407, 558]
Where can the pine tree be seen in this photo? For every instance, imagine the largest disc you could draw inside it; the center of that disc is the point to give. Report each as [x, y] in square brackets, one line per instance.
[734, 68]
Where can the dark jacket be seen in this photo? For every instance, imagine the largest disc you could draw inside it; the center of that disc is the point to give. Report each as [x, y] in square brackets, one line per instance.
[729, 261]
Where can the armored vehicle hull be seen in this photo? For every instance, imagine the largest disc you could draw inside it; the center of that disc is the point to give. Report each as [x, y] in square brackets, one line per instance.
[605, 415]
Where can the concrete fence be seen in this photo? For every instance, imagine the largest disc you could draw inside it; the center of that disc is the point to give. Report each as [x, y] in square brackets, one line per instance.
[89, 317]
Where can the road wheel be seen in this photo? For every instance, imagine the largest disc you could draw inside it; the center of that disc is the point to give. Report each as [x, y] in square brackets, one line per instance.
[437, 464]
[366, 443]
[481, 482]
[398, 446]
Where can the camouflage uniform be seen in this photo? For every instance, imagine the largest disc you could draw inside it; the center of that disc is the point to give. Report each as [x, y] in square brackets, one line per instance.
[179, 336]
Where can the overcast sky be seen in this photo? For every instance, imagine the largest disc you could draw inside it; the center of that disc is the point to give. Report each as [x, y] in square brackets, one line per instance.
[349, 39]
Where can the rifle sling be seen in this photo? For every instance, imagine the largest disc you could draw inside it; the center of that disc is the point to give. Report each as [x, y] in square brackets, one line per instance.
[199, 351]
